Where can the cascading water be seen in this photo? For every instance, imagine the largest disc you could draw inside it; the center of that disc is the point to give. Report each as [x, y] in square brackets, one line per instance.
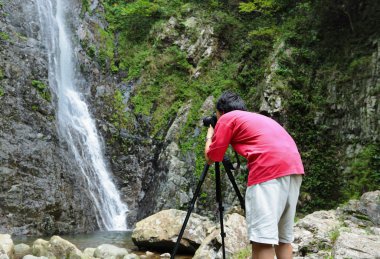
[75, 125]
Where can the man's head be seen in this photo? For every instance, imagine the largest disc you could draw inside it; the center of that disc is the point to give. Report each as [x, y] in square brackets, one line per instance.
[230, 101]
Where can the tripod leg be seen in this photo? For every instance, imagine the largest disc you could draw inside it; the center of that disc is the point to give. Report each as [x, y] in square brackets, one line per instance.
[190, 209]
[236, 188]
[221, 209]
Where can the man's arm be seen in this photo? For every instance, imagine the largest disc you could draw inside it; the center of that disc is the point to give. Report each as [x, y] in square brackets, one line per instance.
[210, 133]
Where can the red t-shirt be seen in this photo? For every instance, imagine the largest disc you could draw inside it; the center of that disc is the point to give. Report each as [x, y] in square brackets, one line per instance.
[270, 150]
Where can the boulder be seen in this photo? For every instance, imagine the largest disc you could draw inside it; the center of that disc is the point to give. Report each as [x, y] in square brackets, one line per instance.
[313, 232]
[40, 247]
[131, 256]
[62, 248]
[56, 247]
[236, 239]
[89, 252]
[160, 231]
[110, 252]
[369, 205]
[6, 246]
[34, 257]
[351, 245]
[21, 250]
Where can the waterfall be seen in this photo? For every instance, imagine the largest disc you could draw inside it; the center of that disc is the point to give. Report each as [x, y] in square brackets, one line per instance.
[74, 122]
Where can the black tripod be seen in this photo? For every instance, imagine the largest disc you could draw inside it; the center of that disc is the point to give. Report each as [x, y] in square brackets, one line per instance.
[228, 167]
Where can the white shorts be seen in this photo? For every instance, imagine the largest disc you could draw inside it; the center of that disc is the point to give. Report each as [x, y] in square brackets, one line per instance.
[270, 209]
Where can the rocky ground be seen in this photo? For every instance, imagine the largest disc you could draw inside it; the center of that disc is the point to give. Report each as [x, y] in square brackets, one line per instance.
[350, 231]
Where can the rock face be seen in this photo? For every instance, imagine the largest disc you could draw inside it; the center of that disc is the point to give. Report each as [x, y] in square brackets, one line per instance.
[348, 232]
[160, 231]
[39, 190]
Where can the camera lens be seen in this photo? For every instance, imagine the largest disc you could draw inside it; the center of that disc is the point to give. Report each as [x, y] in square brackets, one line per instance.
[210, 120]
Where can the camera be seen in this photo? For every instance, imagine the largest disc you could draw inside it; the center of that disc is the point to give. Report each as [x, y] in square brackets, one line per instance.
[210, 120]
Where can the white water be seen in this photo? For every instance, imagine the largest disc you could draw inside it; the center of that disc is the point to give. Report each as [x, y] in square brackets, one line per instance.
[75, 125]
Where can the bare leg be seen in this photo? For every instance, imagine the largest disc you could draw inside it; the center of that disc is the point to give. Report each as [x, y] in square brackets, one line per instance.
[262, 251]
[284, 251]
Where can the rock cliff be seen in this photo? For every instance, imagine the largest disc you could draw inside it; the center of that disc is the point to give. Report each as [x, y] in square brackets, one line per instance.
[39, 190]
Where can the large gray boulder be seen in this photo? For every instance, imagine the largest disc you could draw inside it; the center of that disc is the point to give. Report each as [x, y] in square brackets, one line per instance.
[351, 231]
[352, 245]
[236, 239]
[62, 248]
[369, 205]
[56, 247]
[313, 231]
[160, 231]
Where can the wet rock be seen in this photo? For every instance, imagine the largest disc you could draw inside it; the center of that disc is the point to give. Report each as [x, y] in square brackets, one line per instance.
[110, 251]
[131, 256]
[89, 252]
[21, 250]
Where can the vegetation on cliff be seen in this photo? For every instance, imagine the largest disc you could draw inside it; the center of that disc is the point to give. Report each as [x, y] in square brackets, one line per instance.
[296, 49]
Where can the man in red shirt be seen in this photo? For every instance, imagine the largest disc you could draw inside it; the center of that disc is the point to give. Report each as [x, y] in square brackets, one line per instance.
[275, 173]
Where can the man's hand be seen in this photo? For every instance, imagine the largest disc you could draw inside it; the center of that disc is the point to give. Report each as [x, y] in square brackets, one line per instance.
[210, 133]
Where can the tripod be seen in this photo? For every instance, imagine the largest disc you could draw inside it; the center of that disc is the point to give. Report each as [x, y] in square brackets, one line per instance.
[228, 167]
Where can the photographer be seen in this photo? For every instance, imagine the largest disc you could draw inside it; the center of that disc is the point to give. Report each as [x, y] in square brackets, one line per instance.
[275, 173]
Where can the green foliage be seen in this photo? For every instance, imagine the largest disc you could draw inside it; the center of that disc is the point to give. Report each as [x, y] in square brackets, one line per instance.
[106, 50]
[243, 253]
[1, 91]
[120, 117]
[135, 18]
[359, 65]
[4, 36]
[365, 172]
[135, 61]
[42, 89]
[261, 6]
[254, 59]
[85, 6]
[141, 8]
[334, 234]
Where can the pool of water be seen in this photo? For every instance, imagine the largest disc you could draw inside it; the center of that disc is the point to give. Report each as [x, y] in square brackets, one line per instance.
[82, 241]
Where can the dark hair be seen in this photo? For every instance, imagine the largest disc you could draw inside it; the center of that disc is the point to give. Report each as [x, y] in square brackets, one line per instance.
[230, 101]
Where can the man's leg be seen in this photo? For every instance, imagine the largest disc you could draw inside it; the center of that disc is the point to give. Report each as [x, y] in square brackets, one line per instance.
[262, 251]
[284, 251]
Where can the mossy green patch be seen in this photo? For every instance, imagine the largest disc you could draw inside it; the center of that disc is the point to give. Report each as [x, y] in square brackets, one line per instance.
[42, 89]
